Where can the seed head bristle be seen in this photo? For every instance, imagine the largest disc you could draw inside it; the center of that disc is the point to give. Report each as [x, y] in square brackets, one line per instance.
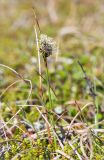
[47, 45]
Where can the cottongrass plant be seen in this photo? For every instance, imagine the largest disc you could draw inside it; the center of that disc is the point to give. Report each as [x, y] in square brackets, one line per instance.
[47, 48]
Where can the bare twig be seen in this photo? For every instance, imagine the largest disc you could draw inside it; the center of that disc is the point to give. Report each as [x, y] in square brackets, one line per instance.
[39, 63]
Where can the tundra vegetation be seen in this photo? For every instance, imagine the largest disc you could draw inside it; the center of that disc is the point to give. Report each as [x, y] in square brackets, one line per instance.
[52, 80]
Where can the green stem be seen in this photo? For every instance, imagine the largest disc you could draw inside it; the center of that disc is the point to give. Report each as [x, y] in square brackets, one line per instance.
[48, 83]
[96, 111]
[96, 107]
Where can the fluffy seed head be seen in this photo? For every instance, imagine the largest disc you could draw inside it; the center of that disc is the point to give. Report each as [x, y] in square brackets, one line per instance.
[47, 45]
